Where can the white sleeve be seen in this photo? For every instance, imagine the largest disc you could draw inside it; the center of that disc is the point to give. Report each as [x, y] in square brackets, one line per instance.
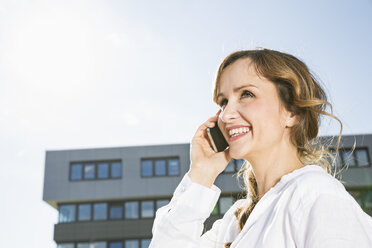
[180, 223]
[333, 221]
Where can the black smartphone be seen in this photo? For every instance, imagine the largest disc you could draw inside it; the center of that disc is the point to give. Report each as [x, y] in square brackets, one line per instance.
[217, 139]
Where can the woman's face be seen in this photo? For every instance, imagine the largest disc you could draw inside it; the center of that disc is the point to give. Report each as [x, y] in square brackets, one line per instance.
[251, 103]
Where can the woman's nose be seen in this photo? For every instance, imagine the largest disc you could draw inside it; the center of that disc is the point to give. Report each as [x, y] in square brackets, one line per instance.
[229, 113]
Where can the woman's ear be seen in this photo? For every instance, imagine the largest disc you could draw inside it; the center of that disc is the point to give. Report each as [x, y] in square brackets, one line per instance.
[292, 119]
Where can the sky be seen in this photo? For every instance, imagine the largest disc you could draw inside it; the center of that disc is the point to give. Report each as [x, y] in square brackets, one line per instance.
[88, 74]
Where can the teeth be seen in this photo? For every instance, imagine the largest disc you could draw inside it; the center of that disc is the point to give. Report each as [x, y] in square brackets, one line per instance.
[237, 131]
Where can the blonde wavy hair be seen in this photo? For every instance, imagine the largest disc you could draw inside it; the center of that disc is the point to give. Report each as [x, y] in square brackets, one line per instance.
[301, 94]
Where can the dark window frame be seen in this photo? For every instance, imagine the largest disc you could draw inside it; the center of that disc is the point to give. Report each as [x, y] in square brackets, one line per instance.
[90, 242]
[108, 170]
[109, 205]
[74, 244]
[70, 172]
[349, 149]
[95, 162]
[107, 211]
[78, 215]
[116, 204]
[140, 242]
[76, 210]
[234, 195]
[108, 242]
[165, 167]
[138, 209]
[364, 191]
[115, 241]
[160, 199]
[94, 171]
[219, 203]
[153, 208]
[368, 158]
[152, 168]
[153, 159]
[236, 169]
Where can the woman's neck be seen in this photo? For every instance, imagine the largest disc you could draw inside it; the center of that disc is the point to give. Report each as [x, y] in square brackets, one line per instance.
[269, 167]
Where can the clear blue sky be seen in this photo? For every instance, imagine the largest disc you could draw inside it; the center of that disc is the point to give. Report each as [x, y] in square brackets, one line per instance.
[76, 74]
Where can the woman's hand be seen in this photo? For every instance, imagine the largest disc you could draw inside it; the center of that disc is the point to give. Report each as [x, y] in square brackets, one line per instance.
[206, 164]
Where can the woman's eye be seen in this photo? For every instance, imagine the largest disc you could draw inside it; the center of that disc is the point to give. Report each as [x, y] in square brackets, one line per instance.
[247, 93]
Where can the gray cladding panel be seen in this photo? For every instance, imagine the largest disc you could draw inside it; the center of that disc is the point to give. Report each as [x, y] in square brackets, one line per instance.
[58, 188]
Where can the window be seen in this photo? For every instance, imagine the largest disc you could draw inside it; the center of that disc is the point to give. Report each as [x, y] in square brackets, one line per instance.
[225, 203]
[336, 156]
[67, 213]
[95, 170]
[358, 196]
[100, 211]
[131, 210]
[116, 170]
[98, 245]
[116, 212]
[160, 167]
[131, 244]
[215, 210]
[363, 197]
[234, 165]
[348, 158]
[89, 171]
[230, 166]
[117, 244]
[66, 245]
[147, 209]
[368, 200]
[146, 168]
[161, 203]
[103, 170]
[91, 245]
[84, 212]
[358, 158]
[76, 172]
[239, 163]
[362, 157]
[145, 243]
[173, 167]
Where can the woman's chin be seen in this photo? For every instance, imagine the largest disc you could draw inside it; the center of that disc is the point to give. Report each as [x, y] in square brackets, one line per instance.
[236, 154]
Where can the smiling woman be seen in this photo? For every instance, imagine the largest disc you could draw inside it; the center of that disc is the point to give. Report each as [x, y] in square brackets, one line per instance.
[270, 116]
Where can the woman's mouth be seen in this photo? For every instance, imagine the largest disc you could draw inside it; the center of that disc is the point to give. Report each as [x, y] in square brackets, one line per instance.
[237, 133]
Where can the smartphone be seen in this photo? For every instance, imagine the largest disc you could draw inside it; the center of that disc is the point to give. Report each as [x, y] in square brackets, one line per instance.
[217, 139]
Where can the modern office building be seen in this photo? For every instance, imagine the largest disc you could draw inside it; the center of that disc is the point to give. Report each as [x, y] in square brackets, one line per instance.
[107, 197]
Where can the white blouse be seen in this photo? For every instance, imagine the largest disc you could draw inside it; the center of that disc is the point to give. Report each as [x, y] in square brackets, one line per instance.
[306, 208]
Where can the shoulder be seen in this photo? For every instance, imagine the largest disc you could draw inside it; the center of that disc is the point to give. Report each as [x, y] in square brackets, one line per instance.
[314, 181]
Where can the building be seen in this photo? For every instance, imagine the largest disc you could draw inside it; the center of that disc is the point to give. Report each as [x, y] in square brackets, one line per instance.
[107, 197]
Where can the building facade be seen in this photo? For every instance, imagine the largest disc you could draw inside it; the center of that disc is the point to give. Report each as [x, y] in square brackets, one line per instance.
[107, 197]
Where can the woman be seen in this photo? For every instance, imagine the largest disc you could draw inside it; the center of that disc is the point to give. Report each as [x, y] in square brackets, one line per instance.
[270, 116]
